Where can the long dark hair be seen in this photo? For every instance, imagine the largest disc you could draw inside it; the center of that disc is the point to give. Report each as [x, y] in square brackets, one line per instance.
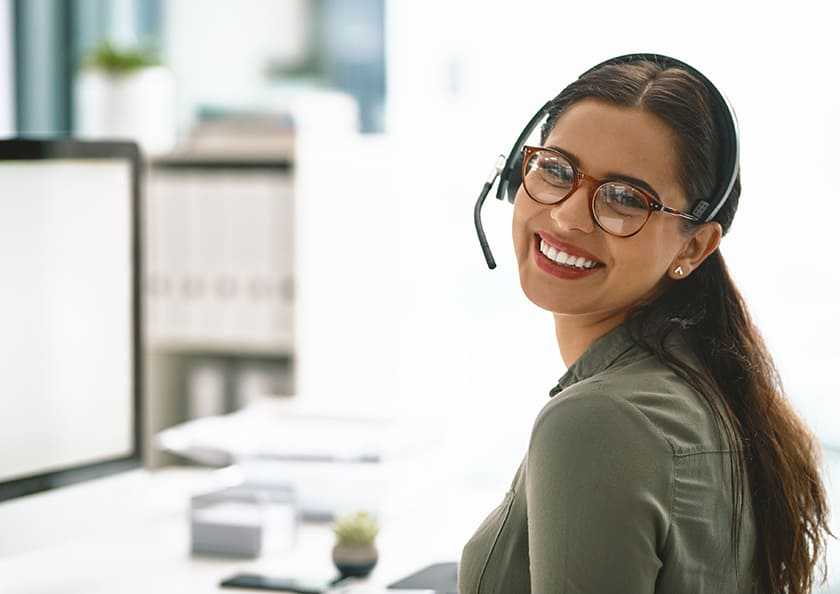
[780, 456]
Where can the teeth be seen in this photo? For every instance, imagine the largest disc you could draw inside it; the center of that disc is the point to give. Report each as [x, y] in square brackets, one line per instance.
[563, 258]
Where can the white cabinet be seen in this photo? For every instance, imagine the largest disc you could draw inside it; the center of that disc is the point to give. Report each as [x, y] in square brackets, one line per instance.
[218, 285]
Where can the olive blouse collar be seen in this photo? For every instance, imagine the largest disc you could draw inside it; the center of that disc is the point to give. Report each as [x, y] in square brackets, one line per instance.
[597, 358]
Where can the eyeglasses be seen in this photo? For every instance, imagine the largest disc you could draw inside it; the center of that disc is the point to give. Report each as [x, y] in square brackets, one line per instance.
[620, 209]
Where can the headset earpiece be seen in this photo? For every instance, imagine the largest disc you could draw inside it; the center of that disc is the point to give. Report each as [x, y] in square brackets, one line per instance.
[515, 176]
[510, 177]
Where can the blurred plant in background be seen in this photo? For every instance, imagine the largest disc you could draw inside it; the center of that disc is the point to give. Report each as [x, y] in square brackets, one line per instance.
[118, 60]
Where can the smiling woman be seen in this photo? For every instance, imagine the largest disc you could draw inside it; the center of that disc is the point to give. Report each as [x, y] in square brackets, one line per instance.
[668, 459]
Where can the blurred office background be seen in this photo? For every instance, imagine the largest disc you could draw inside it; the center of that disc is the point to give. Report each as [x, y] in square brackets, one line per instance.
[355, 135]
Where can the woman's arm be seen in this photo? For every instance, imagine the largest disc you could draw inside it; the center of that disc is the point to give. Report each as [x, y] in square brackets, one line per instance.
[598, 484]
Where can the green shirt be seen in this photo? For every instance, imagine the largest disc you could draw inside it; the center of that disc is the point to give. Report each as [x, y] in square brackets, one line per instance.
[624, 489]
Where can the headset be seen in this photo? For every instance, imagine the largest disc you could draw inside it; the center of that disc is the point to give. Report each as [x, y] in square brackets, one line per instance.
[508, 169]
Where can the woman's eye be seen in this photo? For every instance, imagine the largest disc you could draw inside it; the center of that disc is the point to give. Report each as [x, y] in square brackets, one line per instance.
[625, 197]
[559, 173]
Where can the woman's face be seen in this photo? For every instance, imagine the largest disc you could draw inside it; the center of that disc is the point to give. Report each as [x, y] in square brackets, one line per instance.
[604, 141]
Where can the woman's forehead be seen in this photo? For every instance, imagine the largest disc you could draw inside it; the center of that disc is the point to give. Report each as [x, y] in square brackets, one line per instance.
[606, 139]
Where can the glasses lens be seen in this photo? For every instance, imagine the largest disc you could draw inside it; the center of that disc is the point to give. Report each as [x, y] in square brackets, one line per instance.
[549, 177]
[620, 209]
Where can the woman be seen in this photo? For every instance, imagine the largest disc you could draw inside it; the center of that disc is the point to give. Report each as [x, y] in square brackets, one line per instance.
[667, 459]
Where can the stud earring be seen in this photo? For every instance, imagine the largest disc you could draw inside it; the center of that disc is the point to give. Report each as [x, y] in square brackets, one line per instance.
[679, 270]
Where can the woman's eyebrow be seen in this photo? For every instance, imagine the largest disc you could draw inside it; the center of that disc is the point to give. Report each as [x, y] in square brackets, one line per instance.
[612, 175]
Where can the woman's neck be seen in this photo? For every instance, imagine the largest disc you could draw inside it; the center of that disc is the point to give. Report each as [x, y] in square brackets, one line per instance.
[575, 334]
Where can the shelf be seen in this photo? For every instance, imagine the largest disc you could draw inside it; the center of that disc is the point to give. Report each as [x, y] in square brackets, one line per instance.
[283, 348]
[224, 163]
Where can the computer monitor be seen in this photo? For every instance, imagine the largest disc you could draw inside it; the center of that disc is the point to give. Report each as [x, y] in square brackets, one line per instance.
[70, 315]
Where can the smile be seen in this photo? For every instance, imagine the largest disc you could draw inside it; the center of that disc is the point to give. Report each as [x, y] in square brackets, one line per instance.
[564, 259]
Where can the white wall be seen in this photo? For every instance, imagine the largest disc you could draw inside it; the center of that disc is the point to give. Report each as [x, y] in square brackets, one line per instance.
[7, 95]
[347, 258]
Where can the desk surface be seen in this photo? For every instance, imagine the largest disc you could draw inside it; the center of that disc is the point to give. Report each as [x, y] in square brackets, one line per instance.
[140, 542]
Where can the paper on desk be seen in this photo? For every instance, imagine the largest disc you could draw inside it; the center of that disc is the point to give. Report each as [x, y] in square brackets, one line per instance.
[270, 428]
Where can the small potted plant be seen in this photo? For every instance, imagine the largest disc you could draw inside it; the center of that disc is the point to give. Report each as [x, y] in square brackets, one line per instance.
[125, 92]
[354, 553]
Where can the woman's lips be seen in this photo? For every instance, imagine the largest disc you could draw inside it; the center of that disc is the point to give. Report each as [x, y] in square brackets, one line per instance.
[585, 264]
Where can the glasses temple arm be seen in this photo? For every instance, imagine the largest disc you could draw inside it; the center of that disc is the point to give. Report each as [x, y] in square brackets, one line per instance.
[679, 213]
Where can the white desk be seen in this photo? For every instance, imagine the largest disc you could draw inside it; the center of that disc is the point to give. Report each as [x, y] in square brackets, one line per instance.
[139, 542]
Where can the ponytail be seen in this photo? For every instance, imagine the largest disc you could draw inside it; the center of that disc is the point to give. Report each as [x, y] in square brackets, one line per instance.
[737, 378]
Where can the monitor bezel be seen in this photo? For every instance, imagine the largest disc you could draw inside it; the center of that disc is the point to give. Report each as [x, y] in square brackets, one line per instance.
[32, 149]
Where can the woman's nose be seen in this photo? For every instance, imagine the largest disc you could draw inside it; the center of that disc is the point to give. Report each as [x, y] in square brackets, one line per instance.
[574, 213]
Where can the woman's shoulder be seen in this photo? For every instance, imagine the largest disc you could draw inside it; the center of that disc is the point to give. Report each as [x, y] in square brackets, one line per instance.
[643, 392]
[597, 444]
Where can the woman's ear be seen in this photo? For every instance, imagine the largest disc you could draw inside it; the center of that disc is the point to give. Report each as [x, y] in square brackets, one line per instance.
[696, 248]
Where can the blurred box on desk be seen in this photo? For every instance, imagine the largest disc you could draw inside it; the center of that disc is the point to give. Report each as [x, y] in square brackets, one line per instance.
[243, 521]
[334, 464]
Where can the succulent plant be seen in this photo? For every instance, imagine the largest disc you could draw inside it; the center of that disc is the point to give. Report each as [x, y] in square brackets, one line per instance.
[115, 60]
[358, 529]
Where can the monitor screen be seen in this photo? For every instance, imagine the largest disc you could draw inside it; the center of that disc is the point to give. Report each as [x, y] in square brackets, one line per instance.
[69, 313]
